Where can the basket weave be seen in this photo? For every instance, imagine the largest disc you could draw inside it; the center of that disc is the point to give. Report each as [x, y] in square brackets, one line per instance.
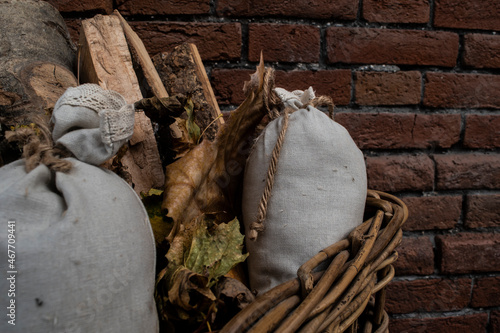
[349, 295]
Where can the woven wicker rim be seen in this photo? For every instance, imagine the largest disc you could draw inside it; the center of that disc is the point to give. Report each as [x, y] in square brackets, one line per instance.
[349, 294]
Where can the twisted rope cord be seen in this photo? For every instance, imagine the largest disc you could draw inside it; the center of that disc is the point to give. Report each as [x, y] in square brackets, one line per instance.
[257, 226]
[36, 151]
[324, 101]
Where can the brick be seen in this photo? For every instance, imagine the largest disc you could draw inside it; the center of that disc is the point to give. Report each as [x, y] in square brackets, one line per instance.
[400, 173]
[430, 213]
[94, 6]
[468, 171]
[396, 11]
[283, 42]
[428, 295]
[228, 83]
[163, 7]
[482, 51]
[495, 322]
[486, 292]
[401, 130]
[215, 41]
[483, 210]
[319, 9]
[416, 257]
[381, 88]
[469, 253]
[482, 131]
[391, 46]
[462, 90]
[333, 83]
[468, 14]
[74, 26]
[475, 323]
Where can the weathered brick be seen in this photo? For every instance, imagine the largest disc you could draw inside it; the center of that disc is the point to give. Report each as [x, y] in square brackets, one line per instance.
[468, 171]
[319, 9]
[401, 130]
[416, 257]
[469, 253]
[333, 83]
[495, 322]
[283, 42]
[483, 210]
[381, 88]
[391, 46]
[428, 295]
[437, 212]
[228, 83]
[400, 173]
[163, 7]
[468, 14]
[462, 90]
[215, 41]
[486, 292]
[482, 131]
[482, 51]
[94, 6]
[396, 11]
[475, 323]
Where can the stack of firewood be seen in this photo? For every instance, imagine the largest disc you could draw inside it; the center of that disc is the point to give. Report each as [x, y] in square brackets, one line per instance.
[36, 71]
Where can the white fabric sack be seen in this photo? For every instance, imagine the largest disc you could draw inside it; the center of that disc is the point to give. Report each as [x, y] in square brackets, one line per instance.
[92, 123]
[84, 248]
[318, 195]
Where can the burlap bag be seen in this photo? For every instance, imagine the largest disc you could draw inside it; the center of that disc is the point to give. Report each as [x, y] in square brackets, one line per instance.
[84, 248]
[318, 195]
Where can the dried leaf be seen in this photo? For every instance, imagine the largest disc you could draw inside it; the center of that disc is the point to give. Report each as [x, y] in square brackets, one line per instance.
[152, 202]
[189, 291]
[193, 129]
[197, 258]
[234, 293]
[207, 178]
[213, 254]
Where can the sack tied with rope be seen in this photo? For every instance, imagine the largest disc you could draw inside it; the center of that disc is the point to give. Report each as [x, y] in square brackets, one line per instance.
[304, 188]
[84, 248]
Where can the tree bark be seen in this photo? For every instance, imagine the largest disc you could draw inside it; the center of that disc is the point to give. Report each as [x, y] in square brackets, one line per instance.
[182, 72]
[36, 62]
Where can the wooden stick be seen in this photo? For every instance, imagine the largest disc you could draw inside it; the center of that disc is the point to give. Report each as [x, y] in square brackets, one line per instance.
[205, 83]
[149, 69]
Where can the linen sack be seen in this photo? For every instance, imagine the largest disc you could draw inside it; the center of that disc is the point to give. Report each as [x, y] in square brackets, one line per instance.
[84, 248]
[318, 196]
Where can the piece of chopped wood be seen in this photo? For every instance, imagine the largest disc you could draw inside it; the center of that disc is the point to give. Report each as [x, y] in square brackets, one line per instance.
[32, 75]
[105, 59]
[182, 72]
[145, 62]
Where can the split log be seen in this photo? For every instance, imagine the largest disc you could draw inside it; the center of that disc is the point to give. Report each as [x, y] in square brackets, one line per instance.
[105, 59]
[182, 72]
[36, 62]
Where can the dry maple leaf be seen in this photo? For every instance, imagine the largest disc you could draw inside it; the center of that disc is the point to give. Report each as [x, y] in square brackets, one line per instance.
[208, 177]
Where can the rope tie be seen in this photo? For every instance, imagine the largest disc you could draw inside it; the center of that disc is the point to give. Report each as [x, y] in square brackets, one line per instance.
[324, 101]
[35, 151]
[257, 226]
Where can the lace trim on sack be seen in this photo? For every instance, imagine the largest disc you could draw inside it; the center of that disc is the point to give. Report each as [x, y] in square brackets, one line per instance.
[91, 96]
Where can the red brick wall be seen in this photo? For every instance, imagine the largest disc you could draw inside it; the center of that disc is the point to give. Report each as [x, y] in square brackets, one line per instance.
[416, 83]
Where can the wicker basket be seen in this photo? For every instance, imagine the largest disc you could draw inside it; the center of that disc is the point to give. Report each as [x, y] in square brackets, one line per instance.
[349, 295]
